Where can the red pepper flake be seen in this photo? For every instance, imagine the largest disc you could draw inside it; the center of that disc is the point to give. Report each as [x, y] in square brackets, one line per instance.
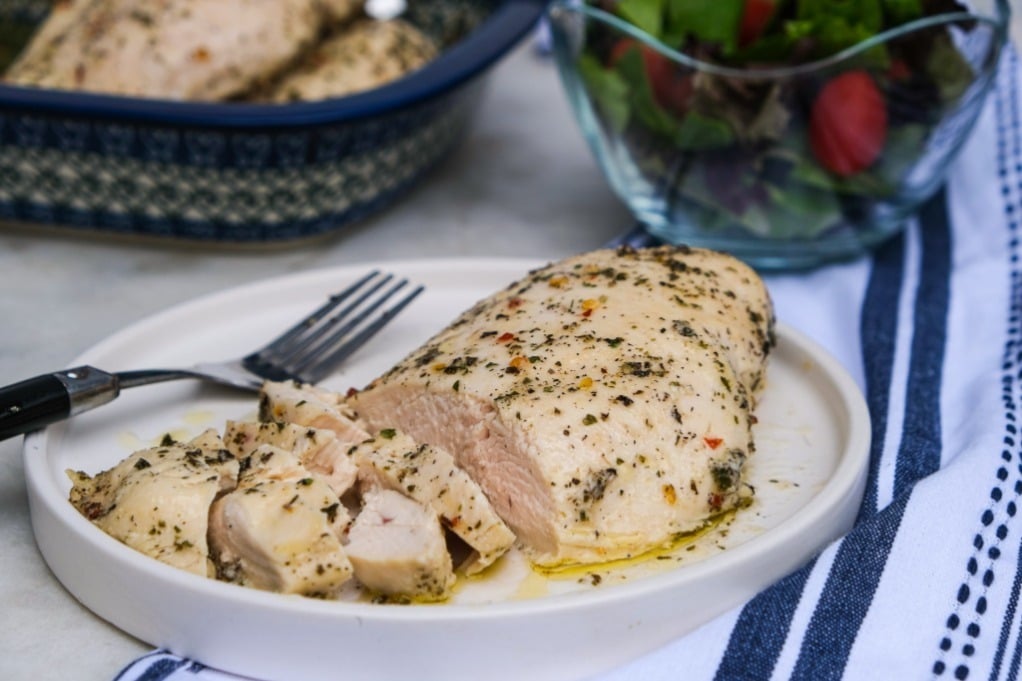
[713, 442]
[515, 303]
[351, 392]
[716, 501]
[505, 337]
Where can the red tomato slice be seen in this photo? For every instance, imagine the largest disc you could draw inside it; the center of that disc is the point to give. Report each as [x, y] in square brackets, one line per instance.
[755, 18]
[671, 84]
[848, 124]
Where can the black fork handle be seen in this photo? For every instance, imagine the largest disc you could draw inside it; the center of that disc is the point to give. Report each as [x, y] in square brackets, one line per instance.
[37, 402]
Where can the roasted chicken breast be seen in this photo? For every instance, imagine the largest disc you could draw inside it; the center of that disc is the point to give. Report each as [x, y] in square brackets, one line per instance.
[175, 49]
[366, 55]
[603, 403]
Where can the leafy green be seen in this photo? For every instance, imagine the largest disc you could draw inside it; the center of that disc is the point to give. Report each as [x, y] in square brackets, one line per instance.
[608, 88]
[645, 14]
[702, 132]
[948, 68]
[862, 15]
[709, 21]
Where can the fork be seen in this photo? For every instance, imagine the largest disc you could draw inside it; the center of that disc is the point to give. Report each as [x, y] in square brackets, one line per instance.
[307, 352]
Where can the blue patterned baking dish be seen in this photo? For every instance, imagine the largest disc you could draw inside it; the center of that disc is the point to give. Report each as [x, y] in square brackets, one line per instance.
[242, 173]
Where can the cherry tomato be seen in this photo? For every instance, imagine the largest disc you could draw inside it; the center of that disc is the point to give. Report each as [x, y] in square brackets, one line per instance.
[848, 123]
[755, 17]
[671, 84]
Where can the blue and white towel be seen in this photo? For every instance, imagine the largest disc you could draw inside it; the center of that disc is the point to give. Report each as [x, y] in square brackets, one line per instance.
[928, 583]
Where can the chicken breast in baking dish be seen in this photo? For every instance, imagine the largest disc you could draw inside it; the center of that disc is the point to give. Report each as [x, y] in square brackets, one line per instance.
[175, 49]
[366, 55]
[603, 403]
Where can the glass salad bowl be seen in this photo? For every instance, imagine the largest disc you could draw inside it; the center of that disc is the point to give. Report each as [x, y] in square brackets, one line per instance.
[789, 134]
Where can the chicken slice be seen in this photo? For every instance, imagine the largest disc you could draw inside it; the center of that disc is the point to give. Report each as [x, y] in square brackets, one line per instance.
[366, 55]
[397, 548]
[307, 405]
[430, 476]
[175, 49]
[157, 500]
[318, 450]
[603, 403]
[281, 529]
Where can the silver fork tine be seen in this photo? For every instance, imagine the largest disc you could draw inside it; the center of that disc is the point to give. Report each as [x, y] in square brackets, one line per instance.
[322, 365]
[299, 360]
[315, 317]
[285, 354]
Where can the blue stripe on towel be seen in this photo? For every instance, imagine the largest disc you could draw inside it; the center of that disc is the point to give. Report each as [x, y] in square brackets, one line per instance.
[157, 666]
[878, 328]
[921, 440]
[763, 625]
[846, 598]
[862, 556]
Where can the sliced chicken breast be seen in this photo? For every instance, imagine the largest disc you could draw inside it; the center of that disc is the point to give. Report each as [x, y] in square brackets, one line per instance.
[307, 405]
[318, 450]
[157, 500]
[603, 403]
[430, 476]
[397, 548]
[281, 529]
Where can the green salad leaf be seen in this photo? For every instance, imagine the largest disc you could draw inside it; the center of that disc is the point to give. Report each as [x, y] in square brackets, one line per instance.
[709, 21]
[609, 88]
[645, 14]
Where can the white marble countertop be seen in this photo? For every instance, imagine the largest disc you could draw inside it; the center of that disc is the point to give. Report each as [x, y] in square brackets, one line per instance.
[522, 184]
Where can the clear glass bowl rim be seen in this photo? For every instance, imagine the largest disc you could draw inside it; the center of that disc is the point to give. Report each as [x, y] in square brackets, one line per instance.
[998, 22]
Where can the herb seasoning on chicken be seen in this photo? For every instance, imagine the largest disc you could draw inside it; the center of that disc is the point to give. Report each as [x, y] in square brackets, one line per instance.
[603, 403]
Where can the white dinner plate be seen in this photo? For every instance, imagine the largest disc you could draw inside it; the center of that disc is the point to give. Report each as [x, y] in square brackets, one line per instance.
[808, 470]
